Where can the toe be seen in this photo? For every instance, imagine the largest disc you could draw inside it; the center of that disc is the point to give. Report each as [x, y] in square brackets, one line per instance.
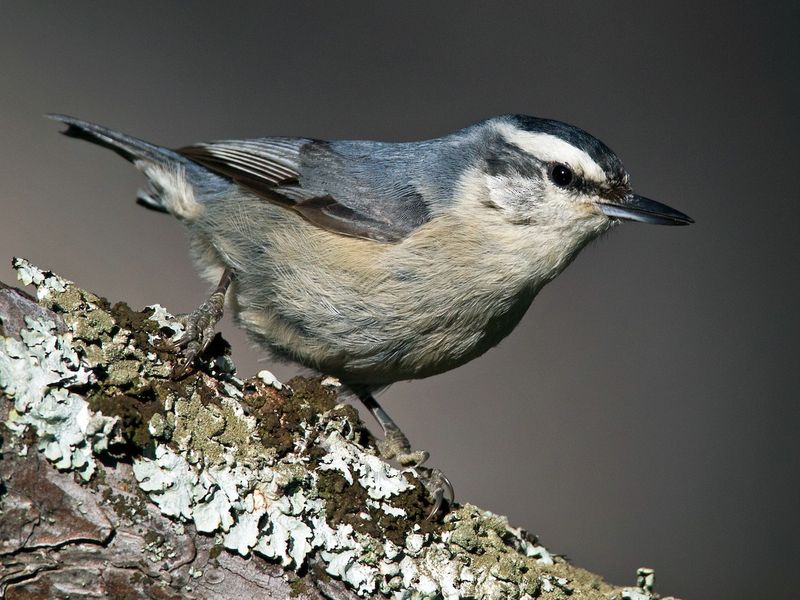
[413, 460]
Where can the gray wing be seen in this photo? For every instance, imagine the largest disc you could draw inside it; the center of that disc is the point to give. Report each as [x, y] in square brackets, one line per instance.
[368, 190]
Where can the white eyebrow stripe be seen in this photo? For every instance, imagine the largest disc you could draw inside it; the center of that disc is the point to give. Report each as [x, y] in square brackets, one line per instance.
[550, 148]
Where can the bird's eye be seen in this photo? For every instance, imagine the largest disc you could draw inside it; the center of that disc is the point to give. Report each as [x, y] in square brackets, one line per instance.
[561, 175]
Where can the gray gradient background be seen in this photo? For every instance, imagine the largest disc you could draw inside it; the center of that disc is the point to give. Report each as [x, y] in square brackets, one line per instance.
[645, 412]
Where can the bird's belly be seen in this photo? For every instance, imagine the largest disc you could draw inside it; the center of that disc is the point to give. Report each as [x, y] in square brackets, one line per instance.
[378, 338]
[424, 347]
[366, 312]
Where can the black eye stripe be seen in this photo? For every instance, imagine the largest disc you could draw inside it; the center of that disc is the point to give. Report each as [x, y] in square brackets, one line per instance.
[578, 184]
[609, 190]
[506, 158]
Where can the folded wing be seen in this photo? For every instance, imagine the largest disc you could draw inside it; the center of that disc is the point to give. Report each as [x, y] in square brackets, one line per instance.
[358, 189]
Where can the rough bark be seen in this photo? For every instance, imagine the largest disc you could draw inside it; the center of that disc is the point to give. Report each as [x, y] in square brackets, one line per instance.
[118, 481]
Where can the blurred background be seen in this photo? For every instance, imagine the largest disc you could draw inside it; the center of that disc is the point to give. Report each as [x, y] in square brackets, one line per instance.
[645, 412]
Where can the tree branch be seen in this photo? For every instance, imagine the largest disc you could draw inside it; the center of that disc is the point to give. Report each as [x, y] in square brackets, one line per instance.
[118, 480]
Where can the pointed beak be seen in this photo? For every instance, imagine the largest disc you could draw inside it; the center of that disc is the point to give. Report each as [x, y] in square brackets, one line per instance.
[639, 208]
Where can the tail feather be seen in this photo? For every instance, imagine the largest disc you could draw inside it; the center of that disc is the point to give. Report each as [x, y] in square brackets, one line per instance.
[164, 168]
[129, 147]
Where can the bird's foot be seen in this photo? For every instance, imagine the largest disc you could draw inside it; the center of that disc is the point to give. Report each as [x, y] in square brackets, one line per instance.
[395, 446]
[440, 489]
[199, 327]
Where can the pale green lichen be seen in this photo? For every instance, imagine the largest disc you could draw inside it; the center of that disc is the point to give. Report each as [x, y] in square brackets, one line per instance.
[36, 372]
[376, 476]
[171, 482]
[269, 379]
[645, 578]
[635, 594]
[46, 283]
[124, 373]
[209, 465]
[165, 321]
[158, 548]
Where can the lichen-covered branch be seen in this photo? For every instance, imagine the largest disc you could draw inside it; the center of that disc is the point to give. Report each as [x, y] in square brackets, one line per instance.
[118, 480]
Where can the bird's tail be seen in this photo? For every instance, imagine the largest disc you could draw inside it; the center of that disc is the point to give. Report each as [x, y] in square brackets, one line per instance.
[161, 165]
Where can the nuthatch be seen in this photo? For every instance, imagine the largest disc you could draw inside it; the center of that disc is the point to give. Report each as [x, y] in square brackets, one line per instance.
[378, 262]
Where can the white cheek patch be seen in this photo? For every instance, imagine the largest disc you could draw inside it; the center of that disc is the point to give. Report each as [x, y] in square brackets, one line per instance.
[471, 188]
[512, 198]
[550, 148]
[505, 190]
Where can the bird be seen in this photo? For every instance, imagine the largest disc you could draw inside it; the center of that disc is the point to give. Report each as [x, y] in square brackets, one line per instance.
[377, 262]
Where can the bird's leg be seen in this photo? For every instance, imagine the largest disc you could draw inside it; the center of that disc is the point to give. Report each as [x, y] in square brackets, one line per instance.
[395, 445]
[200, 324]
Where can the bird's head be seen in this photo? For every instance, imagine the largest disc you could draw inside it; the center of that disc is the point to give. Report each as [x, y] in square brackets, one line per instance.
[553, 176]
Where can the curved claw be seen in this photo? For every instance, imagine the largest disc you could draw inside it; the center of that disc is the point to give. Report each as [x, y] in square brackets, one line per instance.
[438, 498]
[182, 368]
[199, 326]
[199, 331]
[166, 346]
[190, 345]
[451, 493]
[441, 489]
[175, 346]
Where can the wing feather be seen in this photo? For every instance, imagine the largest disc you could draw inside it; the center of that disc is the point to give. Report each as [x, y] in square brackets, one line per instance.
[274, 160]
[344, 189]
